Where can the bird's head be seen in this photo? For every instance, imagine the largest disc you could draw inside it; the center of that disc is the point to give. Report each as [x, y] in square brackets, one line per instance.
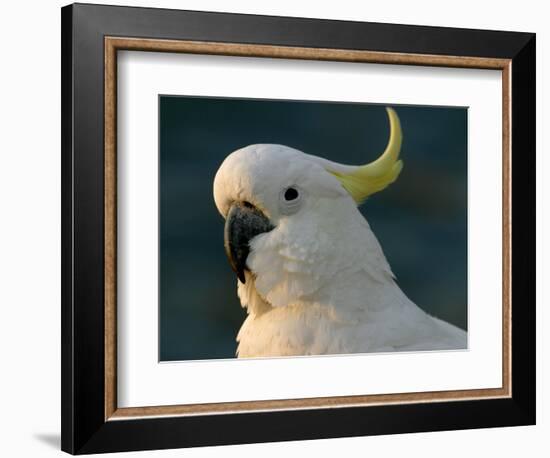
[286, 210]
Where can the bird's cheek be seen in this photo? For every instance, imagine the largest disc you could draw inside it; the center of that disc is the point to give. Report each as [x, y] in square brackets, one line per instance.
[264, 261]
[260, 251]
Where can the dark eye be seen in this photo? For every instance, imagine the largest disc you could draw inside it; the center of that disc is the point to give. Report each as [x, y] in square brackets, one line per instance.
[291, 194]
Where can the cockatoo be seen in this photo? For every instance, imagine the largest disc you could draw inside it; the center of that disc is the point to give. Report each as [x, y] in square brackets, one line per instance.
[311, 273]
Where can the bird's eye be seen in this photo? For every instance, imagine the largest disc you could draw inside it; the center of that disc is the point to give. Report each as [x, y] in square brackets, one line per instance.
[291, 194]
[290, 200]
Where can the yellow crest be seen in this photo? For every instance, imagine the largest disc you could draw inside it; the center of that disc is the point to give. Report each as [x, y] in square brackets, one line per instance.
[367, 179]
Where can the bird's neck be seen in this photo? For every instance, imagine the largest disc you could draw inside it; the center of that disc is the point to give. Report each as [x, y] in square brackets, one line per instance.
[339, 266]
[349, 296]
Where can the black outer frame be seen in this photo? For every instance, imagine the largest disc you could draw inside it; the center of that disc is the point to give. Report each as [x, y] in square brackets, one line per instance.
[83, 425]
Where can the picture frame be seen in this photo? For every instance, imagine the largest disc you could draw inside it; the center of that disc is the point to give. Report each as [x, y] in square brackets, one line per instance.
[92, 421]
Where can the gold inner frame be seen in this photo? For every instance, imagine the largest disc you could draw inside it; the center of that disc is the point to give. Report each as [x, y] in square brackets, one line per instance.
[114, 44]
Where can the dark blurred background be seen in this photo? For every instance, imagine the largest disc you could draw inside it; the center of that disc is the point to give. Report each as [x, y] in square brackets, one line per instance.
[420, 220]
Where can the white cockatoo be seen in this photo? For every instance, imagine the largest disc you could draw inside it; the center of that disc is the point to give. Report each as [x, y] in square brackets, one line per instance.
[311, 273]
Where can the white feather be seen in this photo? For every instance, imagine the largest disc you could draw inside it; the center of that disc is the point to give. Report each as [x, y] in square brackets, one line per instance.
[319, 282]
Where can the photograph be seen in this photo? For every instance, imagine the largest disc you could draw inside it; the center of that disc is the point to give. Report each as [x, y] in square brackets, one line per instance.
[304, 228]
[282, 226]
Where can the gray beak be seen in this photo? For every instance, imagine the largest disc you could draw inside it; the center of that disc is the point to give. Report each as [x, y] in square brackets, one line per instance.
[243, 222]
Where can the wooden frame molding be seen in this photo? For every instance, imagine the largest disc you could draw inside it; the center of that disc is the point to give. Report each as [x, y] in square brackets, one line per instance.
[112, 45]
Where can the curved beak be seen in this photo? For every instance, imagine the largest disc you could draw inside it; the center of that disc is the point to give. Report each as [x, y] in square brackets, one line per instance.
[242, 224]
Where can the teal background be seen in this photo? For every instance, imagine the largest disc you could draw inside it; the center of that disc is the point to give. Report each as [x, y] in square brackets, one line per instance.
[420, 220]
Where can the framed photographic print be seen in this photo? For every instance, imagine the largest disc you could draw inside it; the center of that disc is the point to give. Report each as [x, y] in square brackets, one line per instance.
[282, 228]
